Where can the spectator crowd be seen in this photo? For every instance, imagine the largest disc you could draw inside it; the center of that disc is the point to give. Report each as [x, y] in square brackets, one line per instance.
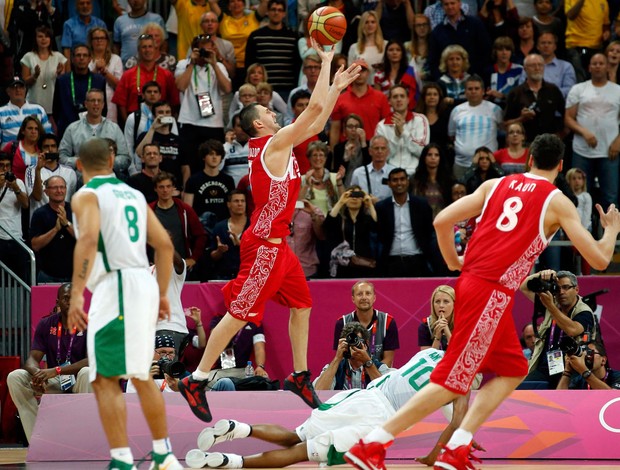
[450, 94]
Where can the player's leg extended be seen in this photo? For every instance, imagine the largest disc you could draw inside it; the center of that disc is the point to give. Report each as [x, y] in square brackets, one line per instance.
[298, 330]
[112, 410]
[218, 340]
[489, 397]
[228, 429]
[153, 407]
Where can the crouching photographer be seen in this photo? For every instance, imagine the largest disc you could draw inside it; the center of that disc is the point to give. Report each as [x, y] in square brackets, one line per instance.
[587, 368]
[166, 370]
[352, 366]
[566, 315]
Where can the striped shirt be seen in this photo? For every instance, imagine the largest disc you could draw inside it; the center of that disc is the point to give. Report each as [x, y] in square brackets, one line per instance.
[473, 127]
[276, 49]
[12, 116]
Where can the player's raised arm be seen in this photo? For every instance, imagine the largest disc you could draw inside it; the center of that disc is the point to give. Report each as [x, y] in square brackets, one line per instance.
[322, 102]
[598, 253]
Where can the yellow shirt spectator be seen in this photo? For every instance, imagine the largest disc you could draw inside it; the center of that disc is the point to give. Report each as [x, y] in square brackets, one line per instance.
[586, 30]
[188, 14]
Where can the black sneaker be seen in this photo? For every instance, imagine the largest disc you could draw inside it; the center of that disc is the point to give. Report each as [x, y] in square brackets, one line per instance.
[299, 383]
[194, 392]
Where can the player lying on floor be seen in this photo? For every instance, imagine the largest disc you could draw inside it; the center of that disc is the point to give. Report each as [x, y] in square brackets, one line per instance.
[332, 428]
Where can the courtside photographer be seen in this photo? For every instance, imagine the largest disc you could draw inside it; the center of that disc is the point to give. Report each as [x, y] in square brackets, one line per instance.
[565, 315]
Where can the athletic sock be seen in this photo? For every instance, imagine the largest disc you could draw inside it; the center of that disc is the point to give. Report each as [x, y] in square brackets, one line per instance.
[460, 438]
[234, 461]
[122, 454]
[242, 430]
[379, 435]
[162, 446]
[200, 375]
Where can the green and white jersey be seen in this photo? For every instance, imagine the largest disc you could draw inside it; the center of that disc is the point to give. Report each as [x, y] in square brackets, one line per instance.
[400, 385]
[122, 233]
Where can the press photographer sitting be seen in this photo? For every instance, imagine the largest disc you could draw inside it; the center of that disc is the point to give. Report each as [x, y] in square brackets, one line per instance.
[166, 370]
[352, 366]
[589, 370]
[565, 315]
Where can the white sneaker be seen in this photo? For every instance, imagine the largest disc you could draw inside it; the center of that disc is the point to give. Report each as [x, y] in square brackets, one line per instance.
[223, 430]
[170, 462]
[196, 458]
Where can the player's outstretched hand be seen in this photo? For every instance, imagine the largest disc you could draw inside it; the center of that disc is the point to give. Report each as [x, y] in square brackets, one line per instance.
[610, 218]
[343, 78]
[77, 316]
[326, 56]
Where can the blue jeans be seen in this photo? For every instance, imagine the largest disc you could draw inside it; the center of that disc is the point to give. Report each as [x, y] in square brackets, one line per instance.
[607, 172]
[223, 385]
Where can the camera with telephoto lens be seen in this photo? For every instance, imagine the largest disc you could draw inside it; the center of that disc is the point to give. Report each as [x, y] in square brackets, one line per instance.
[538, 284]
[570, 347]
[353, 341]
[174, 369]
[9, 177]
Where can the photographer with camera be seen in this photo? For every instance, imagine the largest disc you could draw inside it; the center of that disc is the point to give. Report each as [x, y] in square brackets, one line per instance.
[48, 165]
[566, 316]
[202, 81]
[352, 366]
[13, 199]
[589, 370]
[166, 370]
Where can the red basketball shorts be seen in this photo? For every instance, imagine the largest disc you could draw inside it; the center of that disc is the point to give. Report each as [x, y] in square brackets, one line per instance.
[268, 271]
[484, 337]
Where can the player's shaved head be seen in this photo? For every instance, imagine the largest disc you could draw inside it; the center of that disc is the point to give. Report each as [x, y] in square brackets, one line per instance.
[94, 154]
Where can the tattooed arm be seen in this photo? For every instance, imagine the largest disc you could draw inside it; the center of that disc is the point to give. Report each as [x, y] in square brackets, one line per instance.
[86, 210]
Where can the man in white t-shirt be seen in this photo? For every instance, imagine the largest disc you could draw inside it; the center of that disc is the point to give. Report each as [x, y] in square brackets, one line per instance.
[592, 110]
[473, 124]
[175, 326]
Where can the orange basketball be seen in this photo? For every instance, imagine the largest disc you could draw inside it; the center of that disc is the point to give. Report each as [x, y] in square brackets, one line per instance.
[327, 25]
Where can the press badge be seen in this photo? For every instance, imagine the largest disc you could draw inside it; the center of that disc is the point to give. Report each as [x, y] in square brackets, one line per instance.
[66, 381]
[555, 360]
[227, 358]
[205, 104]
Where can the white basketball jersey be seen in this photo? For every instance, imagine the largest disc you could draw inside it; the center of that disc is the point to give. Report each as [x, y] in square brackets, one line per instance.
[122, 232]
[400, 385]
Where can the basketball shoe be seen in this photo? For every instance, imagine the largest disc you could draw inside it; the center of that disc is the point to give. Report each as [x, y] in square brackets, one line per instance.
[194, 392]
[369, 456]
[196, 458]
[456, 459]
[224, 430]
[299, 383]
[165, 462]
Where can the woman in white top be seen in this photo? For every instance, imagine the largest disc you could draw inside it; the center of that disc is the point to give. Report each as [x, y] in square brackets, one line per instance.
[370, 44]
[107, 64]
[319, 186]
[40, 69]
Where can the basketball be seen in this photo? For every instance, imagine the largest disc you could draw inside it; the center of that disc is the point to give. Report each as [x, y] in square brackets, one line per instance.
[327, 25]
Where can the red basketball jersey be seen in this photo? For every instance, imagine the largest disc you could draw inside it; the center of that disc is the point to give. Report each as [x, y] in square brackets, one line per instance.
[510, 234]
[274, 197]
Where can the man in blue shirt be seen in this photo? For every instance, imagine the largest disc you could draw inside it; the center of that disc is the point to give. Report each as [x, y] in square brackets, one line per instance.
[76, 28]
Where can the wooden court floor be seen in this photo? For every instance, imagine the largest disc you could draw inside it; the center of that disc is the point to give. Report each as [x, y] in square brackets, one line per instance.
[15, 459]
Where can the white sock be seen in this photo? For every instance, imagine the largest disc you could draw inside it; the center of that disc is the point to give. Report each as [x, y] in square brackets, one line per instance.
[122, 454]
[200, 375]
[460, 438]
[234, 461]
[379, 435]
[242, 430]
[162, 446]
